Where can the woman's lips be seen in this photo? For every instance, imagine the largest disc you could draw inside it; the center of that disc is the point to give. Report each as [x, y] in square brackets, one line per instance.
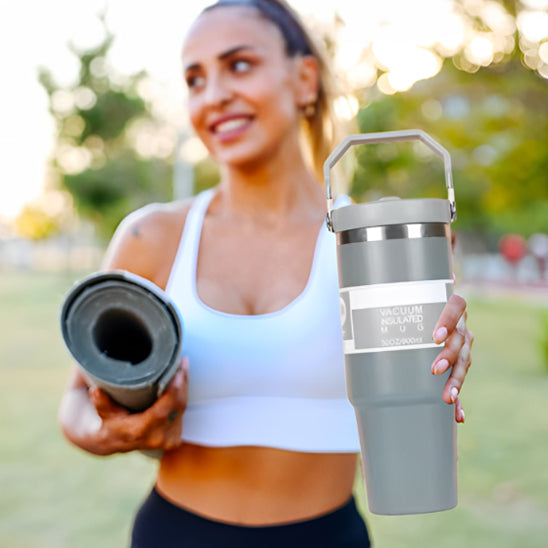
[230, 128]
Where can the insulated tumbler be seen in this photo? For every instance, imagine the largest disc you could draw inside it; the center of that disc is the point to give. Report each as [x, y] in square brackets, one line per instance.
[395, 276]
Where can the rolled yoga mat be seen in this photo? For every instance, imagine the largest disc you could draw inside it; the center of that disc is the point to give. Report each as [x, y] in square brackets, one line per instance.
[125, 334]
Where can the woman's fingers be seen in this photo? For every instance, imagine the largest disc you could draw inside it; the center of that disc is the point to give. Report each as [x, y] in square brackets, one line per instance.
[451, 329]
[450, 353]
[450, 316]
[459, 411]
[460, 368]
[105, 406]
[175, 396]
[163, 420]
[157, 427]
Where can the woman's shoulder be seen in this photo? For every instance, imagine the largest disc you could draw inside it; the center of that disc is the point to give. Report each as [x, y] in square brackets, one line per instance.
[154, 218]
[146, 241]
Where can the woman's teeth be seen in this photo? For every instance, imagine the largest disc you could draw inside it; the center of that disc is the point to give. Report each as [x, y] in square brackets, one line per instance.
[230, 125]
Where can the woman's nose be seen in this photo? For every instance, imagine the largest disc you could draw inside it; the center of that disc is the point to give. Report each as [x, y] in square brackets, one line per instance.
[217, 91]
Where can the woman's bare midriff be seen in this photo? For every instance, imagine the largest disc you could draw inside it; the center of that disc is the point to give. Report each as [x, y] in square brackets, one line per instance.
[255, 485]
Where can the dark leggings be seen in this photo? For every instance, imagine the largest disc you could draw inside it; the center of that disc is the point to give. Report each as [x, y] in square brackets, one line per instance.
[161, 524]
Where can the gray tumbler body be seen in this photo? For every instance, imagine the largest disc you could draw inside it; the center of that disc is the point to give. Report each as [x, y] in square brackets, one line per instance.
[395, 274]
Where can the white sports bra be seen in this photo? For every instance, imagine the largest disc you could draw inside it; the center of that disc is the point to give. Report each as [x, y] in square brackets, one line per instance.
[274, 379]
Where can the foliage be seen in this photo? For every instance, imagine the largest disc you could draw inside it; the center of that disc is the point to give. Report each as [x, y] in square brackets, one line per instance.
[206, 174]
[487, 105]
[494, 124]
[35, 223]
[108, 193]
[490, 113]
[95, 158]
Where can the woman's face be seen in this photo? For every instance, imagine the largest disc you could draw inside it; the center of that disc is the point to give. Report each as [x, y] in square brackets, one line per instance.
[244, 92]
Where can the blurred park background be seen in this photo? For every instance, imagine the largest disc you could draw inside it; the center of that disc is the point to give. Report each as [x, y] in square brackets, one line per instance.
[471, 73]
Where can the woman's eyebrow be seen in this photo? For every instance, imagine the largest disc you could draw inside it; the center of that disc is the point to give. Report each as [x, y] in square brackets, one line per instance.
[232, 51]
[224, 55]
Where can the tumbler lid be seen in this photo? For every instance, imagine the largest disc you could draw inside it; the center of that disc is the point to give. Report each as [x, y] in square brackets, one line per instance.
[391, 211]
[388, 137]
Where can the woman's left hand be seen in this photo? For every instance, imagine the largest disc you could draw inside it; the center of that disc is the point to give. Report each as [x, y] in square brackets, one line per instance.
[451, 329]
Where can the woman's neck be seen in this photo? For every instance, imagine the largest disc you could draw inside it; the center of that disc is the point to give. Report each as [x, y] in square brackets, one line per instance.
[270, 191]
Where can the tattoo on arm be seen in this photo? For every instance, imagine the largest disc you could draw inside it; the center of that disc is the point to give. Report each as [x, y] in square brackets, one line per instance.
[135, 231]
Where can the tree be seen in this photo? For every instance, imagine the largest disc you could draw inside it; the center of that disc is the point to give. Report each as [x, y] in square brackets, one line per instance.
[493, 119]
[35, 223]
[483, 97]
[97, 156]
[494, 124]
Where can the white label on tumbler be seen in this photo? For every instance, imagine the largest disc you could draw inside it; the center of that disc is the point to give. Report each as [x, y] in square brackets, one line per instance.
[393, 316]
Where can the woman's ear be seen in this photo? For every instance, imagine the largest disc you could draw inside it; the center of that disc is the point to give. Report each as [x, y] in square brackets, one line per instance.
[308, 80]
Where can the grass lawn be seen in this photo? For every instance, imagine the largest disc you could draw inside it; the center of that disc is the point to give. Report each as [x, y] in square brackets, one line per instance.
[54, 495]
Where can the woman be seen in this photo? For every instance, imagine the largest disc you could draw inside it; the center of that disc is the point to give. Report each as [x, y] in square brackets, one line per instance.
[265, 452]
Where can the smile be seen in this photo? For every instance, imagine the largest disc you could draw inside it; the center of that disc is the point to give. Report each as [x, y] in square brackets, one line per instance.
[230, 127]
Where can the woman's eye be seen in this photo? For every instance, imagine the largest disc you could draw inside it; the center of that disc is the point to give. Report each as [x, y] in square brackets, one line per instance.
[241, 65]
[194, 81]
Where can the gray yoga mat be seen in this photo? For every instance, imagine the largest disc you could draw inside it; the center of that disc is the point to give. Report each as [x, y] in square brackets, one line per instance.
[125, 334]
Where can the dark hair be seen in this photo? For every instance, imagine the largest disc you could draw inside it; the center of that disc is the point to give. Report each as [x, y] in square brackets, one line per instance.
[296, 41]
[320, 127]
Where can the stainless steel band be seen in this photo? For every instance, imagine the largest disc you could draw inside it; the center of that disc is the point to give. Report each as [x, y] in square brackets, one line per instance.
[394, 232]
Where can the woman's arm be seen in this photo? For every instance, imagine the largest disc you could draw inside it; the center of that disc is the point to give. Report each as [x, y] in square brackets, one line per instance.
[145, 243]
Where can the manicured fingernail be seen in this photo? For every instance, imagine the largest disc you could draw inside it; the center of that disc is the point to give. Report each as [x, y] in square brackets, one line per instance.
[462, 415]
[453, 394]
[441, 366]
[440, 335]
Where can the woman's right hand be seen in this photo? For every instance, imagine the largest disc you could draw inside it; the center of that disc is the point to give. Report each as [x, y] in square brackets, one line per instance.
[94, 422]
[89, 418]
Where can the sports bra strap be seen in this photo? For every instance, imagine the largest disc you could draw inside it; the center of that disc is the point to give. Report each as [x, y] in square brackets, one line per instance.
[190, 240]
[195, 217]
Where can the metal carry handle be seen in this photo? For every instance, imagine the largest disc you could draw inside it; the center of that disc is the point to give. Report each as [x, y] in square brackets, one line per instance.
[388, 137]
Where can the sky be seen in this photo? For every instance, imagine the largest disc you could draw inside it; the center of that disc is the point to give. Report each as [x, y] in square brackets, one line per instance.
[148, 35]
